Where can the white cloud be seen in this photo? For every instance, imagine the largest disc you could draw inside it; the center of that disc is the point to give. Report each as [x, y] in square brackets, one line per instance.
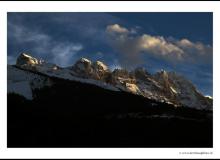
[22, 34]
[116, 28]
[158, 46]
[61, 53]
[131, 46]
[195, 51]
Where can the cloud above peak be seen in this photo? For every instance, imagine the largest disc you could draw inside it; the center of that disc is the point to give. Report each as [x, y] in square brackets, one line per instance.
[116, 28]
[42, 45]
[131, 47]
[119, 39]
[159, 46]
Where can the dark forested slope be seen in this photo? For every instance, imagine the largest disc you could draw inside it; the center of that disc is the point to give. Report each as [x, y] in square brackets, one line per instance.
[74, 114]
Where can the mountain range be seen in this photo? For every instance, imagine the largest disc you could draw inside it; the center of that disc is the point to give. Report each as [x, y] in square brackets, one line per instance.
[168, 87]
[89, 105]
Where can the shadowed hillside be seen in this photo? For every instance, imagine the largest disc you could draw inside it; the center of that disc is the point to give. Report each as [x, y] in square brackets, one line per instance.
[74, 114]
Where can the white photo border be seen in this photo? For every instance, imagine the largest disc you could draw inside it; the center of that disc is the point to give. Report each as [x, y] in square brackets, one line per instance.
[109, 6]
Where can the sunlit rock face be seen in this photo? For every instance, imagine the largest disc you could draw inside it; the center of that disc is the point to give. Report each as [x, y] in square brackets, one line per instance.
[162, 78]
[181, 91]
[125, 80]
[100, 66]
[162, 86]
[31, 63]
[83, 68]
[122, 76]
[100, 71]
[131, 87]
[88, 69]
[25, 59]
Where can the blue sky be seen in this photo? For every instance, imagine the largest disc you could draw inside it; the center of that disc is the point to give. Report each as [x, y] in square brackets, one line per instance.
[180, 42]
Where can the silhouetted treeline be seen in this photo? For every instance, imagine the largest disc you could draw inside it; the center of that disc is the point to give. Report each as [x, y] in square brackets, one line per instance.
[74, 114]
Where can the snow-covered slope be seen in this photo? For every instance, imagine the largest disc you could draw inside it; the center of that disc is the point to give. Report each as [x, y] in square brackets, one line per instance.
[162, 86]
[186, 93]
[22, 73]
[23, 82]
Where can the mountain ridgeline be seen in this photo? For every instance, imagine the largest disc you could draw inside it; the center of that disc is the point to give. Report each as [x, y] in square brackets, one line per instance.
[88, 105]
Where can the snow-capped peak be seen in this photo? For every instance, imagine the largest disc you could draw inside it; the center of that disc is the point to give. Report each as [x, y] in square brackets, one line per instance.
[83, 68]
[26, 55]
[100, 66]
[163, 86]
[25, 59]
[85, 60]
[209, 97]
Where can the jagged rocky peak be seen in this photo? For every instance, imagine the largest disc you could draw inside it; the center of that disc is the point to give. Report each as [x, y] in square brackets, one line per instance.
[182, 90]
[25, 59]
[100, 66]
[163, 78]
[122, 76]
[141, 73]
[82, 64]
[85, 61]
[88, 69]
[83, 67]
[100, 71]
[162, 86]
[123, 73]
[125, 79]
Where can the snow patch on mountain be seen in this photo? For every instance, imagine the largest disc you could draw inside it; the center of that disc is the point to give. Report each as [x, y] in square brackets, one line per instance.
[24, 82]
[162, 86]
[25, 59]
